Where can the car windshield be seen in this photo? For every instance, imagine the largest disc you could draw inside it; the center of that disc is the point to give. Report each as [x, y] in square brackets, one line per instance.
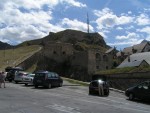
[40, 75]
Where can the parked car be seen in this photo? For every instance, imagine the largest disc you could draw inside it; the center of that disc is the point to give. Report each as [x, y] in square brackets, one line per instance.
[93, 87]
[140, 91]
[19, 76]
[47, 79]
[28, 79]
[11, 71]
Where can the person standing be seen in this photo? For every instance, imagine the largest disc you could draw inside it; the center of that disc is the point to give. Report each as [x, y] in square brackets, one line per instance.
[100, 87]
[2, 79]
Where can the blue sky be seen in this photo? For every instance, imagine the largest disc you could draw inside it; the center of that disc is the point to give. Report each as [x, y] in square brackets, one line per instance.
[122, 23]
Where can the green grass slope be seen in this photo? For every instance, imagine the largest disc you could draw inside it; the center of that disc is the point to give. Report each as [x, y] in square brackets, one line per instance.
[13, 57]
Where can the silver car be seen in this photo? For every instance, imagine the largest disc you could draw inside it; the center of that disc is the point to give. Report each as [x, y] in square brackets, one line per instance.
[19, 76]
[28, 79]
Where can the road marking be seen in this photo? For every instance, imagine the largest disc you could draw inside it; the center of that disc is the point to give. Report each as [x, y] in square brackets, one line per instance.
[63, 108]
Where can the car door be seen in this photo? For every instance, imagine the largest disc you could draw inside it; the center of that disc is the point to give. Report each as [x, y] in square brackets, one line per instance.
[55, 79]
[51, 79]
[58, 80]
[138, 91]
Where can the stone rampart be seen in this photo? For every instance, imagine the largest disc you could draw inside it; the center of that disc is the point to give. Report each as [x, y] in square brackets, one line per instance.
[123, 81]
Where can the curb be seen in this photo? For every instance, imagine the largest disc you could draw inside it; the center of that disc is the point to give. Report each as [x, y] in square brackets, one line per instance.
[87, 83]
[116, 90]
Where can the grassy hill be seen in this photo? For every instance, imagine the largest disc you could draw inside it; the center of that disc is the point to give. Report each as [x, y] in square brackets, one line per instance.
[12, 57]
[125, 70]
[4, 46]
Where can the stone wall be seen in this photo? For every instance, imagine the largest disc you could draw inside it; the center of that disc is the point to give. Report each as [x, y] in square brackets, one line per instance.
[58, 51]
[123, 81]
[97, 60]
[30, 61]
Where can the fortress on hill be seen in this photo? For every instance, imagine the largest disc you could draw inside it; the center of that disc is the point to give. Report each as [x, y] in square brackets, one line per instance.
[71, 53]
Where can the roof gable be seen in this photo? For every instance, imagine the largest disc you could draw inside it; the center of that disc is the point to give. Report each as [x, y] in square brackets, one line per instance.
[139, 48]
[136, 59]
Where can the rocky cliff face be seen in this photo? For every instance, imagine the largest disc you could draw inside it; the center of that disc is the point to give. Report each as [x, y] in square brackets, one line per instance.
[70, 36]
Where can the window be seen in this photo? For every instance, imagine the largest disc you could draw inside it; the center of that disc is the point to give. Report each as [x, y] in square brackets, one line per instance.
[63, 52]
[98, 56]
[49, 75]
[54, 52]
[53, 75]
[56, 75]
[97, 67]
[105, 57]
[106, 67]
[144, 86]
[95, 84]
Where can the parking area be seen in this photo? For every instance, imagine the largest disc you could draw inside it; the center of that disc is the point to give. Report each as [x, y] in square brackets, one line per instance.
[70, 98]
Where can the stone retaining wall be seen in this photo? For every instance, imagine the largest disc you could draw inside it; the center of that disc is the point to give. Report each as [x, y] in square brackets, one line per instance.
[124, 80]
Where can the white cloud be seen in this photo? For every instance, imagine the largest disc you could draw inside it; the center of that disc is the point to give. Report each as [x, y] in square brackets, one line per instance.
[143, 19]
[126, 42]
[148, 37]
[129, 27]
[129, 12]
[119, 28]
[75, 24]
[38, 4]
[20, 33]
[107, 19]
[22, 20]
[145, 30]
[103, 12]
[74, 3]
[130, 36]
[103, 35]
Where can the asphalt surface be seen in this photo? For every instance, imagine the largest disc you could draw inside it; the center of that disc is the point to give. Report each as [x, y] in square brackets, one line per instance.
[70, 98]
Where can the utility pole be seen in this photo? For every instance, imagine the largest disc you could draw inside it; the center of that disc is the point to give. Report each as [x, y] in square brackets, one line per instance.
[88, 24]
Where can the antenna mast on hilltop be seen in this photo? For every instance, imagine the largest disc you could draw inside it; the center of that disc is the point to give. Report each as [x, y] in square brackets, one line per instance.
[87, 23]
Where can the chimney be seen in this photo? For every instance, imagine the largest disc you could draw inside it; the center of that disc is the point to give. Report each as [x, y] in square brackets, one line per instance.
[128, 58]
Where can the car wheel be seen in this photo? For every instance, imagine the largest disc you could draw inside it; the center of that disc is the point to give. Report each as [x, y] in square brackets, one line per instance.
[131, 96]
[16, 82]
[26, 84]
[60, 84]
[36, 86]
[10, 80]
[49, 86]
[107, 93]
[90, 92]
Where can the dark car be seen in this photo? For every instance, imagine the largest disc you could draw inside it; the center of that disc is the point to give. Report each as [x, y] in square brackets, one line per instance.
[47, 79]
[140, 91]
[11, 72]
[93, 87]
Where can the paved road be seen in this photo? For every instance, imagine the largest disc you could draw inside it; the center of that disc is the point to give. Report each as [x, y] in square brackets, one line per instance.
[70, 98]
